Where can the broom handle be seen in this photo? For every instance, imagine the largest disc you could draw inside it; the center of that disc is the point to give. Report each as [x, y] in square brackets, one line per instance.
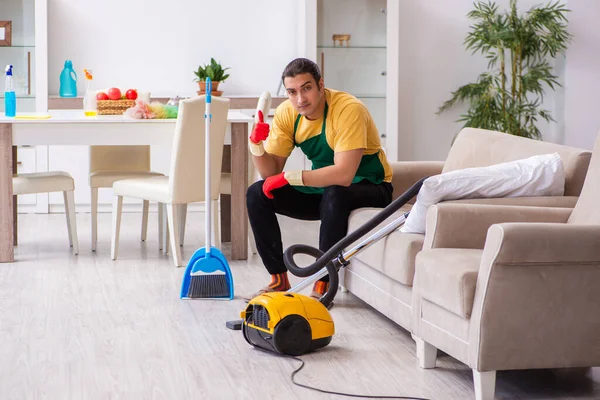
[207, 186]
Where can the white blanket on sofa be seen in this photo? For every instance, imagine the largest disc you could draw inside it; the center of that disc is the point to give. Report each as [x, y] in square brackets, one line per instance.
[541, 175]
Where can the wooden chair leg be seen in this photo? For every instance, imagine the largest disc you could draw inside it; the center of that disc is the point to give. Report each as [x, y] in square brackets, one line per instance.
[173, 221]
[116, 226]
[166, 236]
[94, 218]
[182, 217]
[160, 226]
[145, 220]
[68, 216]
[71, 220]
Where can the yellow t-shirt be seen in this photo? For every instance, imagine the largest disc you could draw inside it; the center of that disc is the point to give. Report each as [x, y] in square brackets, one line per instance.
[349, 127]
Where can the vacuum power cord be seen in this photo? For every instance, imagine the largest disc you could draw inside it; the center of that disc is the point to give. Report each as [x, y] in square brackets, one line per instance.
[341, 393]
[302, 385]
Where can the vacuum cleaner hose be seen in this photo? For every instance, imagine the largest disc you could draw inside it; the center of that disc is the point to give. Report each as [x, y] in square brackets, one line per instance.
[326, 259]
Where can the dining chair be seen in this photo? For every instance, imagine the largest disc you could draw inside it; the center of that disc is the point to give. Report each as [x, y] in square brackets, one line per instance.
[47, 182]
[109, 164]
[185, 183]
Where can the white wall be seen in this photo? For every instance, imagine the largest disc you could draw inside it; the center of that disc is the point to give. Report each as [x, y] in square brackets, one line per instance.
[158, 51]
[434, 62]
[582, 88]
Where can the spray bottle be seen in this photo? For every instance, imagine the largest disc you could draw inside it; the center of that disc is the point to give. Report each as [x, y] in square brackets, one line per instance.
[10, 100]
[90, 104]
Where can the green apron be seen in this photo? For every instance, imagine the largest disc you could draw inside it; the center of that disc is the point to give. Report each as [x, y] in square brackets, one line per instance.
[317, 150]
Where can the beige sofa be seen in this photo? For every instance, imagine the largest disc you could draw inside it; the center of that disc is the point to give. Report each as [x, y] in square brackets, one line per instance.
[382, 275]
[518, 295]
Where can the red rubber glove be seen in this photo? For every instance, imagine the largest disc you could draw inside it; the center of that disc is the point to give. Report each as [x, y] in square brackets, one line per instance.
[274, 182]
[260, 131]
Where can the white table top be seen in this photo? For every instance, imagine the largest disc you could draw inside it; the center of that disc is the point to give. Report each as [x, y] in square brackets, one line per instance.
[77, 117]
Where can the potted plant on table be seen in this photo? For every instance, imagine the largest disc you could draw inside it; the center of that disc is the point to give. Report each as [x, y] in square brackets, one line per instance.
[215, 72]
[519, 49]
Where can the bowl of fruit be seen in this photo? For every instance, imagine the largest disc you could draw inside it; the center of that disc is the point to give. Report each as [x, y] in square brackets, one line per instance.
[115, 101]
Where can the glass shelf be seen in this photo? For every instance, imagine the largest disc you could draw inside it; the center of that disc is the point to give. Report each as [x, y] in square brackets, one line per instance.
[23, 61]
[17, 46]
[351, 47]
[20, 96]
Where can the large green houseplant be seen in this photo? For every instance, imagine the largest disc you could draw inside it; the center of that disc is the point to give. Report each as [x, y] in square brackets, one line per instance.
[214, 71]
[508, 96]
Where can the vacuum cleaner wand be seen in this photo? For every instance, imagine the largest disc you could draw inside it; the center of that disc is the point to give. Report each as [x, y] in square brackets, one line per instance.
[342, 259]
[335, 258]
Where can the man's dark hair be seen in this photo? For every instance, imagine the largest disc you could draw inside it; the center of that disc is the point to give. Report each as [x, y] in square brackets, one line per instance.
[302, 66]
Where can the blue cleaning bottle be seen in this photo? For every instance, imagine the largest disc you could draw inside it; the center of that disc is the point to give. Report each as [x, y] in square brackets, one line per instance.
[68, 81]
[10, 100]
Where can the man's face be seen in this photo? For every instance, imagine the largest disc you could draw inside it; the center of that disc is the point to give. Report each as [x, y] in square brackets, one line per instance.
[304, 93]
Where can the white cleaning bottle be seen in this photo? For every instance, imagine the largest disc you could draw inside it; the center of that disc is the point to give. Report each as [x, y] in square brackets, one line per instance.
[90, 103]
[10, 100]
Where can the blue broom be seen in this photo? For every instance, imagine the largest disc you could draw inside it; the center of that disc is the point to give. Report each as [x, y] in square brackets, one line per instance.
[207, 275]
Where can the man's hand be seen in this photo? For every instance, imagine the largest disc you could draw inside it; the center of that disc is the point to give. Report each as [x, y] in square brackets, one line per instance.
[274, 182]
[260, 131]
[293, 178]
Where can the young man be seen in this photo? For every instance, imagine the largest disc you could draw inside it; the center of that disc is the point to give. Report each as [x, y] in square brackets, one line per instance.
[349, 169]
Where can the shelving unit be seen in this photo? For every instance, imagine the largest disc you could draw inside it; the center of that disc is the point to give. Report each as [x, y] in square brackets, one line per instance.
[359, 67]
[375, 37]
[22, 52]
[28, 54]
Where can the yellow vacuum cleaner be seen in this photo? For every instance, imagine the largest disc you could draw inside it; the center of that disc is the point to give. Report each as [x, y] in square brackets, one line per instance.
[287, 323]
[294, 324]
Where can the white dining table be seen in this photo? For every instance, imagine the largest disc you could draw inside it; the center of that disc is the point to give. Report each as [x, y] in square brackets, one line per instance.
[72, 127]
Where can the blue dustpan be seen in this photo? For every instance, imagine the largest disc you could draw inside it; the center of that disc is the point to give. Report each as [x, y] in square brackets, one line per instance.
[207, 275]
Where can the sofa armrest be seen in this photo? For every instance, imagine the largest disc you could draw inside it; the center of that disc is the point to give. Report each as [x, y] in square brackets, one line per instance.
[551, 243]
[407, 173]
[465, 226]
[536, 300]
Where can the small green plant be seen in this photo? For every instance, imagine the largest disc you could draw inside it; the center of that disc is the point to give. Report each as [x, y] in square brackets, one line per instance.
[507, 98]
[214, 71]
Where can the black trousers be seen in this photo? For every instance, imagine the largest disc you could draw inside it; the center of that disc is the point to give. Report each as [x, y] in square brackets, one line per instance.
[333, 208]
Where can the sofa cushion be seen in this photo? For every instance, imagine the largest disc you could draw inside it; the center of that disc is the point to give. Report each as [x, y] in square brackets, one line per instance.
[541, 175]
[480, 148]
[447, 277]
[393, 255]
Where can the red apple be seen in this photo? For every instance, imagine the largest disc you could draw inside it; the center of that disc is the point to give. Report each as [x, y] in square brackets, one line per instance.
[131, 94]
[114, 93]
[101, 96]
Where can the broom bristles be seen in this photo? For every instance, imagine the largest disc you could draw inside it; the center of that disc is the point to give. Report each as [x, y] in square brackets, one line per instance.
[208, 286]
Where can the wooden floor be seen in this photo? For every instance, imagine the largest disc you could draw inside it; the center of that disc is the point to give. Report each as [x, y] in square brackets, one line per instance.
[86, 327]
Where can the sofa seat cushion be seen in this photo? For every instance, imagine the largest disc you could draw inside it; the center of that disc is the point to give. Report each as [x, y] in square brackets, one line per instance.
[447, 277]
[394, 255]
